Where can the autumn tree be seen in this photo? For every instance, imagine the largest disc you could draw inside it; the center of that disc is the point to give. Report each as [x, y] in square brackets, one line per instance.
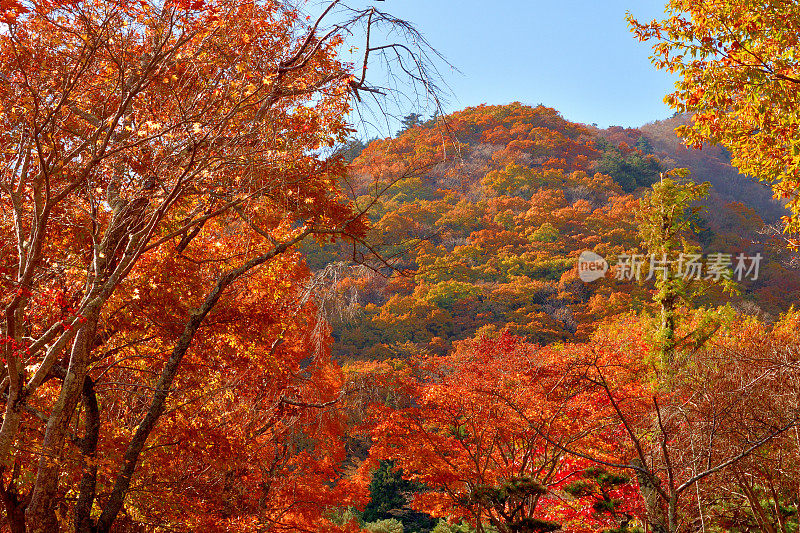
[161, 160]
[488, 435]
[667, 226]
[738, 78]
[685, 442]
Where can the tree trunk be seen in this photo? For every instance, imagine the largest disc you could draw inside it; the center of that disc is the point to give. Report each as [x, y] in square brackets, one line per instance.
[668, 330]
[41, 511]
[657, 518]
[122, 483]
[15, 509]
[11, 421]
[86, 495]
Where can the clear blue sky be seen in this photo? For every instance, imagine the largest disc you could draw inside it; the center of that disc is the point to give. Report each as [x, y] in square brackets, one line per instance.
[574, 55]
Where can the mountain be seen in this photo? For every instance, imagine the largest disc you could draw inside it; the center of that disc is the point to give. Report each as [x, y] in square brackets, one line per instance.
[485, 214]
[712, 163]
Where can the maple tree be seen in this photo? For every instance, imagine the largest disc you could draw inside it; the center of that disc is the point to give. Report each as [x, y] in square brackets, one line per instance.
[711, 419]
[161, 161]
[486, 435]
[738, 77]
[589, 436]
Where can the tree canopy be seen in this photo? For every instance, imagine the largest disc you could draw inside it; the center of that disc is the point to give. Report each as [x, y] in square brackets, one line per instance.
[738, 78]
[160, 162]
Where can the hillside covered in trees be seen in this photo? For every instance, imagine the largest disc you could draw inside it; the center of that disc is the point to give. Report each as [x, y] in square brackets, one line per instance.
[487, 215]
[497, 388]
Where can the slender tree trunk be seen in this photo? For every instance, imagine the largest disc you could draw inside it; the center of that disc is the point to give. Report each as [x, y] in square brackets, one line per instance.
[86, 495]
[157, 404]
[668, 330]
[755, 504]
[41, 511]
[131, 458]
[8, 431]
[13, 412]
[672, 512]
[656, 517]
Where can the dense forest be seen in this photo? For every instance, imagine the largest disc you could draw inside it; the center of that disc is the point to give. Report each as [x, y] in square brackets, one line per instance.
[487, 237]
[223, 311]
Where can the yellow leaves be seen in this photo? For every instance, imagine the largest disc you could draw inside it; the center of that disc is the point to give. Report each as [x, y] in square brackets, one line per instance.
[744, 56]
[148, 128]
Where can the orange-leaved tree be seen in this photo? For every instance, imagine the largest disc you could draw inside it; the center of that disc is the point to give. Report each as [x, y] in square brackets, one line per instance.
[488, 433]
[160, 161]
[738, 78]
[728, 405]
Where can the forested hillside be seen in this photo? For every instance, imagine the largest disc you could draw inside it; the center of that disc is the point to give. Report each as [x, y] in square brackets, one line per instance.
[488, 216]
[493, 388]
[712, 163]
